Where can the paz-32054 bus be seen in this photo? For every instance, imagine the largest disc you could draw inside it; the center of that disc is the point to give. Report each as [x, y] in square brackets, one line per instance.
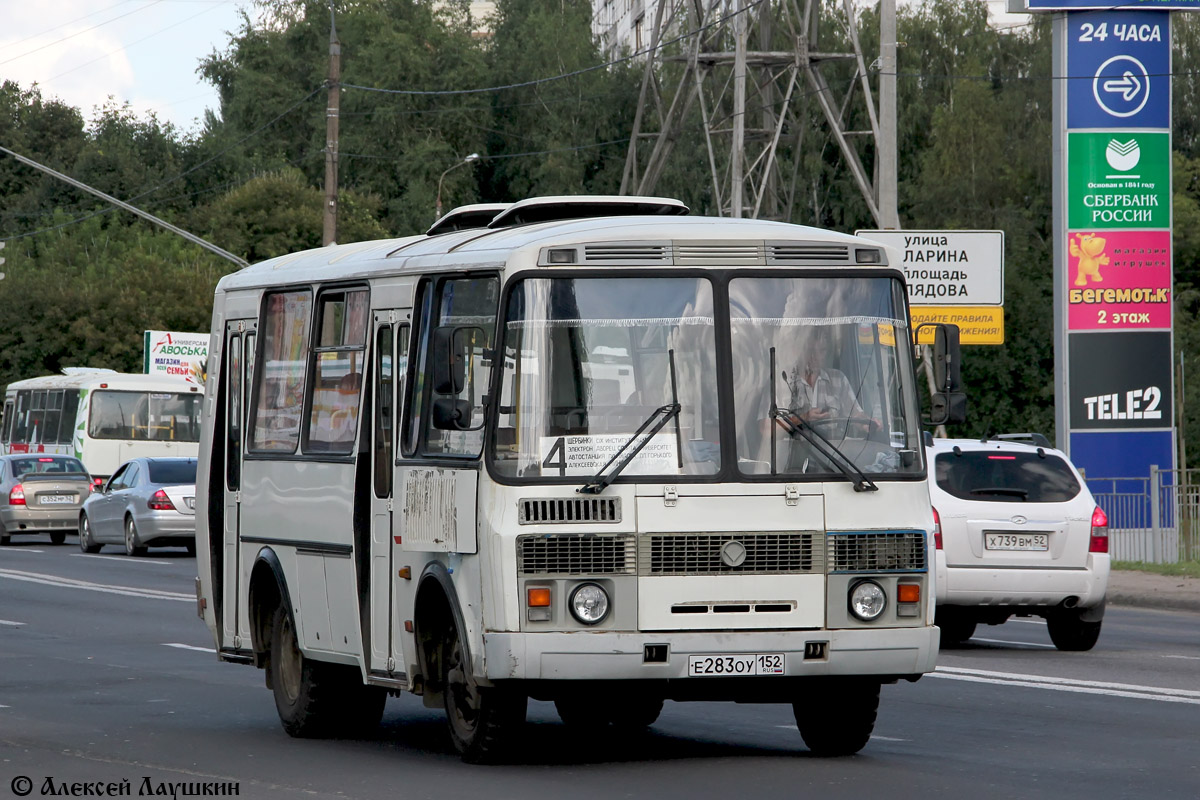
[596, 452]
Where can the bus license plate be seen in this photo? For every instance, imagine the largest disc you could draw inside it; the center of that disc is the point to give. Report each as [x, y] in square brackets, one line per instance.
[1017, 541]
[722, 665]
[56, 499]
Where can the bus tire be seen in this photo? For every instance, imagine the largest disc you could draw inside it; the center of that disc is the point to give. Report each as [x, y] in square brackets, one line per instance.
[58, 537]
[836, 718]
[305, 690]
[86, 544]
[636, 715]
[480, 718]
[625, 715]
[133, 546]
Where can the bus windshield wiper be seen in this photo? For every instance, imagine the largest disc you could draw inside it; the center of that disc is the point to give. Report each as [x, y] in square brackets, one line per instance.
[658, 418]
[795, 424]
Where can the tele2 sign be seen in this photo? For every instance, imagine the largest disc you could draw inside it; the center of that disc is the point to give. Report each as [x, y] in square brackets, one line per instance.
[949, 268]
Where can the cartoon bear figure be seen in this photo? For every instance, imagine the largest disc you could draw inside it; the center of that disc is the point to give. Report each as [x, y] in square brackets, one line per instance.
[1090, 252]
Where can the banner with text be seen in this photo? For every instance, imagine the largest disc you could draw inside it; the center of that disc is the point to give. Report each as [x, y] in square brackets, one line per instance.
[179, 355]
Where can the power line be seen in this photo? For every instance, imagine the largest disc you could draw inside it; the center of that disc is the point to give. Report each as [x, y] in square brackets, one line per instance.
[491, 89]
[80, 33]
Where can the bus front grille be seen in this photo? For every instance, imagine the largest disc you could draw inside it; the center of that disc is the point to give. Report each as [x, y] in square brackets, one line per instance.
[729, 553]
[877, 551]
[576, 554]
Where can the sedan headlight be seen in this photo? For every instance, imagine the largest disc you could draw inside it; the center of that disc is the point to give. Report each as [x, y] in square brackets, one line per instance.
[589, 604]
[867, 600]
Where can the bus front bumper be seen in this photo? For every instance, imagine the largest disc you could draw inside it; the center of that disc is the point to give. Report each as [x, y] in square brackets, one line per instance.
[891, 652]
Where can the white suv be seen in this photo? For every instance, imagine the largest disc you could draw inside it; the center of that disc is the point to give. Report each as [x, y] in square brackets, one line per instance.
[1019, 533]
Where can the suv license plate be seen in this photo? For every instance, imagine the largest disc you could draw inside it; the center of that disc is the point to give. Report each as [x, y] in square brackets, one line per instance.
[719, 665]
[1016, 541]
[56, 499]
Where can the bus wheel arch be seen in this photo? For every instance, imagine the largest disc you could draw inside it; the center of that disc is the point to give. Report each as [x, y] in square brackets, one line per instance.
[436, 617]
[267, 591]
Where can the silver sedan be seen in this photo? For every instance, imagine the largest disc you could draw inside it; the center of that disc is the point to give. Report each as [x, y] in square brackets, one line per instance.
[148, 502]
[41, 494]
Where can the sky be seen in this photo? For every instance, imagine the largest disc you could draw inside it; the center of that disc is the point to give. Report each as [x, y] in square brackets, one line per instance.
[141, 52]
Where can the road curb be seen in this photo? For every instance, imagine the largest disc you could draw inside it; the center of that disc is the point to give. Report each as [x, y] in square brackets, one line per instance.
[1166, 603]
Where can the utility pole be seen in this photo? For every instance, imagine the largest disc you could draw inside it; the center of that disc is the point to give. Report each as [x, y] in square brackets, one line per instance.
[331, 133]
[886, 180]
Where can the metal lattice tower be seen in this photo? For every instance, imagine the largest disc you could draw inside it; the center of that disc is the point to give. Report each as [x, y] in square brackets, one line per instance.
[752, 102]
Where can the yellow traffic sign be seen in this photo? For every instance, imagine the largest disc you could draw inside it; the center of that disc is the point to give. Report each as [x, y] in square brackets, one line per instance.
[976, 324]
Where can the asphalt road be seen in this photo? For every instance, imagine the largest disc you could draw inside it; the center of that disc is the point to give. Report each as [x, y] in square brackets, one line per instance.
[107, 675]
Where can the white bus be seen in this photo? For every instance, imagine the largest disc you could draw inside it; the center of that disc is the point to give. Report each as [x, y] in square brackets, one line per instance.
[567, 456]
[102, 417]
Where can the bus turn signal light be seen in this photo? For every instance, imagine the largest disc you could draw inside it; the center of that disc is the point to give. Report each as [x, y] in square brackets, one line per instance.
[908, 593]
[539, 597]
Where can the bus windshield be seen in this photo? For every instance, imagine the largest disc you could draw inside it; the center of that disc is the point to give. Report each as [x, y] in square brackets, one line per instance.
[822, 378]
[152, 416]
[822, 375]
[588, 360]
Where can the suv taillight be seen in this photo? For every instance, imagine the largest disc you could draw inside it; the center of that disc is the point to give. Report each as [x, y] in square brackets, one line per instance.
[160, 502]
[16, 497]
[1099, 540]
[937, 530]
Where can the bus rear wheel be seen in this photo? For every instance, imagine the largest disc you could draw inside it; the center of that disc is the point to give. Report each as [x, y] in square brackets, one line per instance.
[837, 716]
[480, 718]
[625, 715]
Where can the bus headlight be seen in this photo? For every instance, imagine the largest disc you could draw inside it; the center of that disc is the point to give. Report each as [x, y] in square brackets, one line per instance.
[867, 600]
[589, 604]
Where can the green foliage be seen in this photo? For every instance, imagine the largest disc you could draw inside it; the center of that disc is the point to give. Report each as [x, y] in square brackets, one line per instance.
[974, 146]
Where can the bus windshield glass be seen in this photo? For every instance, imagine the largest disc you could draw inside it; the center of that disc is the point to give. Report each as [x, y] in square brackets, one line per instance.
[588, 360]
[153, 416]
[822, 363]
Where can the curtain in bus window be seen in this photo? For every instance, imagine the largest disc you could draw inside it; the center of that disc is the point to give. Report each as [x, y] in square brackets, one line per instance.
[338, 372]
[37, 414]
[279, 384]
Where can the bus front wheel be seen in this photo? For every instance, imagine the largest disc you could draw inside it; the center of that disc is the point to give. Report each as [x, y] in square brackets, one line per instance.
[836, 718]
[304, 698]
[480, 718]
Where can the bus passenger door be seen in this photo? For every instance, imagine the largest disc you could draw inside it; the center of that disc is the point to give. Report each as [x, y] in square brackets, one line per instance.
[239, 360]
[391, 361]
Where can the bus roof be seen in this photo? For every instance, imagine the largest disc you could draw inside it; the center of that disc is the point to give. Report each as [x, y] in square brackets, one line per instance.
[119, 381]
[626, 240]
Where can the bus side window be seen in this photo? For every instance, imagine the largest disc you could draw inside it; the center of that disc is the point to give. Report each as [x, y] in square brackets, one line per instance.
[9, 413]
[70, 411]
[279, 383]
[337, 371]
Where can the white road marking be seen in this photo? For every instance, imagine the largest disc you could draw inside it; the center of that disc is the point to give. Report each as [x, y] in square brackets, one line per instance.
[10, 623]
[5, 706]
[1069, 685]
[1029, 621]
[70, 583]
[21, 550]
[1188, 658]
[188, 647]
[1005, 641]
[112, 560]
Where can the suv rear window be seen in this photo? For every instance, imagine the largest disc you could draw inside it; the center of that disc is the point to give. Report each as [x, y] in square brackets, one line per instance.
[999, 477]
[172, 471]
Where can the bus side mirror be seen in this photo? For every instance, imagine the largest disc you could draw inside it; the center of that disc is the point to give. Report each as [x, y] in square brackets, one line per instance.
[452, 414]
[948, 404]
[449, 359]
